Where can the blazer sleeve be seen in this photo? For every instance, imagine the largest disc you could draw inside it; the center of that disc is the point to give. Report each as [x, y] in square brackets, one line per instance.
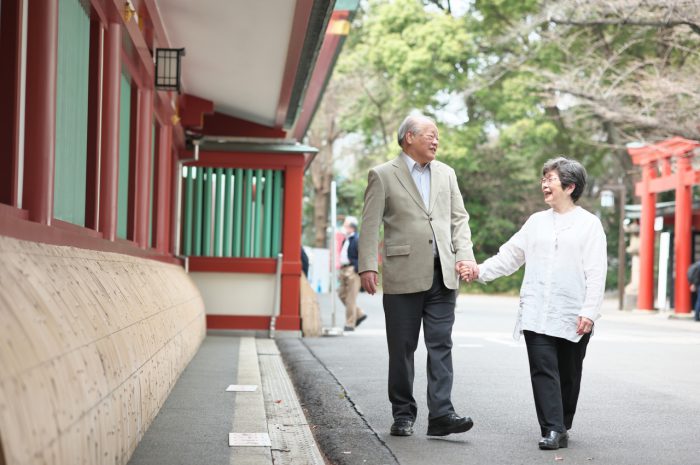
[372, 215]
[461, 234]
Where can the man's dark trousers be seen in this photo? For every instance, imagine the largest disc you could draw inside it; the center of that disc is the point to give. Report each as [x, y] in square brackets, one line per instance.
[555, 372]
[403, 313]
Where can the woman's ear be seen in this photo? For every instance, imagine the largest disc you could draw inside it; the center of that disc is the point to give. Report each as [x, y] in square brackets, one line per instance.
[570, 190]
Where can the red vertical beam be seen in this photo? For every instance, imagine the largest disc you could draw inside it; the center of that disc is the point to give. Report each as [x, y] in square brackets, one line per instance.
[142, 174]
[109, 157]
[92, 172]
[291, 247]
[163, 170]
[40, 107]
[645, 299]
[683, 234]
[11, 53]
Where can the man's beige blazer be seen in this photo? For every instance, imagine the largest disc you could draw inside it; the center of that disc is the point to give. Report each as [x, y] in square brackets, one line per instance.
[393, 200]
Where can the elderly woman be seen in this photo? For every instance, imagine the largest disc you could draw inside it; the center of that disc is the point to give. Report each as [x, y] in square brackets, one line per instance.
[564, 252]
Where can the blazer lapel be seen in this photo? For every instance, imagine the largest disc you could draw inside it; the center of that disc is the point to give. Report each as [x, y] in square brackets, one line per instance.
[435, 181]
[405, 179]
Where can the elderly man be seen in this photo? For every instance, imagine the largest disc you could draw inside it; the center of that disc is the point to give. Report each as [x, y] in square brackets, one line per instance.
[426, 242]
[349, 279]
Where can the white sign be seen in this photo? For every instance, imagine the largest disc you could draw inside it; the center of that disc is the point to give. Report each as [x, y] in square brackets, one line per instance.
[249, 440]
[242, 388]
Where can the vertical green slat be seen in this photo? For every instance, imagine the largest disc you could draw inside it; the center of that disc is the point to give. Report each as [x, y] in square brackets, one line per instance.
[218, 207]
[257, 223]
[198, 212]
[206, 220]
[187, 226]
[237, 211]
[124, 138]
[267, 215]
[276, 212]
[247, 205]
[71, 112]
[228, 213]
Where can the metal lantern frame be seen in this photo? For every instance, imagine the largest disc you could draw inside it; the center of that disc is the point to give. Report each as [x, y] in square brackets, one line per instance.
[168, 75]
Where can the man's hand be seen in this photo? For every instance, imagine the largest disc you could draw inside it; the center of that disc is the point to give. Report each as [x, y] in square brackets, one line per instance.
[369, 280]
[468, 270]
[585, 325]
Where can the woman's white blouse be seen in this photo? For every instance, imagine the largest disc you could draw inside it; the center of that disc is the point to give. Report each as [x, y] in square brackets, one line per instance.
[565, 257]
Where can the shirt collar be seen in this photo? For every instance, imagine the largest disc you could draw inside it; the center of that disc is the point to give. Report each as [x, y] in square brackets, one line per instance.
[410, 163]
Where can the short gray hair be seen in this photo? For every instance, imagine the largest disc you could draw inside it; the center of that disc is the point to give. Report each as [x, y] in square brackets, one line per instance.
[570, 172]
[410, 124]
[351, 221]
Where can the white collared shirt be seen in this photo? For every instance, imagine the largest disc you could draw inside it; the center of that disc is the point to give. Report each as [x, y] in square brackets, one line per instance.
[421, 176]
[565, 257]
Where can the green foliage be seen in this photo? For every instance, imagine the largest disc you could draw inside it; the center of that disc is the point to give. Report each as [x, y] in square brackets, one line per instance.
[507, 63]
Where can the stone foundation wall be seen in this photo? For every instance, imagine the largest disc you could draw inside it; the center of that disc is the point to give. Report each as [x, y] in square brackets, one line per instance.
[91, 344]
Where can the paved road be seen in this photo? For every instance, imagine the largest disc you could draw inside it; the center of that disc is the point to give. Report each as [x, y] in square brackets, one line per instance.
[640, 399]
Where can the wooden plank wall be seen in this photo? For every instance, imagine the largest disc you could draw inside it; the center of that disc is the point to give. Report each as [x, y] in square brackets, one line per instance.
[91, 344]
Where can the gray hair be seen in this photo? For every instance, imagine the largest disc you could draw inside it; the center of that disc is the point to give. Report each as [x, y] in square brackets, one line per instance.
[410, 124]
[351, 221]
[570, 172]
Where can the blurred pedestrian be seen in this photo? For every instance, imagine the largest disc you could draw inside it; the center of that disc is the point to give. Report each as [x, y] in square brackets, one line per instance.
[694, 280]
[349, 277]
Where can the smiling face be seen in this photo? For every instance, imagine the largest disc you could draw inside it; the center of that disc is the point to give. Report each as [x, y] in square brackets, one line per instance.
[554, 194]
[423, 144]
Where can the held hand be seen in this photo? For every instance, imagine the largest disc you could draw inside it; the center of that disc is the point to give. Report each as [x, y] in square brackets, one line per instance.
[468, 270]
[585, 325]
[369, 280]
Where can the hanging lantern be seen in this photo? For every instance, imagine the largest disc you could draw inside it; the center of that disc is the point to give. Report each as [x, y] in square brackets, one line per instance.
[168, 68]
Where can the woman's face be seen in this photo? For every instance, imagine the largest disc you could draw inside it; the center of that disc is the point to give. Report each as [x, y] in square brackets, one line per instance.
[551, 188]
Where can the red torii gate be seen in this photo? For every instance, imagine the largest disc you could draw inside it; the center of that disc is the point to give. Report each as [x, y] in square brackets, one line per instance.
[654, 158]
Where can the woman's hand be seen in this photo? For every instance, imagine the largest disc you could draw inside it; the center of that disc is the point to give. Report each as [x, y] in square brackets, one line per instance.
[585, 325]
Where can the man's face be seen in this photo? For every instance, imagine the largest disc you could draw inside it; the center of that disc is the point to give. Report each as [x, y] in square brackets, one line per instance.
[424, 143]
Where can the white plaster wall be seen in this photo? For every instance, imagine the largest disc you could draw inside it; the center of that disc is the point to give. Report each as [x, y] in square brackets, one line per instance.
[250, 294]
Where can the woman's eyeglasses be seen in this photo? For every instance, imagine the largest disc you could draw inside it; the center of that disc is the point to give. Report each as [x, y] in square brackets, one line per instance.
[549, 180]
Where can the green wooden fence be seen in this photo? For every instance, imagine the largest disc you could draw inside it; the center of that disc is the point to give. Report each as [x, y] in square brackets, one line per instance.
[231, 212]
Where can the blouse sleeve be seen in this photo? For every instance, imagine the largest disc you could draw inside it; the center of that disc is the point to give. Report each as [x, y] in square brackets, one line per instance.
[509, 258]
[595, 267]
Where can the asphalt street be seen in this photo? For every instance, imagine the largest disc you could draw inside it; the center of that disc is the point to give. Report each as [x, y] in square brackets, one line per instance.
[639, 403]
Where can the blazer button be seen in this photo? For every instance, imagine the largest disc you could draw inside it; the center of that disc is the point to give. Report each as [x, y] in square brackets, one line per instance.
[430, 241]
[430, 219]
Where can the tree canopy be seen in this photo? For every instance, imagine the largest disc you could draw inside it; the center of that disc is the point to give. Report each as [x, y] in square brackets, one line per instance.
[513, 83]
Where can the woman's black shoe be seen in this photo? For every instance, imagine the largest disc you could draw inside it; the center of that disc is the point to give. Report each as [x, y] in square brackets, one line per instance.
[554, 440]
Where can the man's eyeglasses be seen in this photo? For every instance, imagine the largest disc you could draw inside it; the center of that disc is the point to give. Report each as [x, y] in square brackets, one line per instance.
[548, 180]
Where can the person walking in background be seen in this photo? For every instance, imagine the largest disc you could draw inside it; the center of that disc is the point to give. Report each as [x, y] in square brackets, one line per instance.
[694, 280]
[349, 278]
[426, 241]
[565, 256]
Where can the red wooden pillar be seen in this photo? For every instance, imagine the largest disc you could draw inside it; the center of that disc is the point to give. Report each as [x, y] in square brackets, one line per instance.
[40, 107]
[142, 174]
[163, 170]
[11, 53]
[645, 299]
[683, 233]
[291, 245]
[92, 172]
[109, 169]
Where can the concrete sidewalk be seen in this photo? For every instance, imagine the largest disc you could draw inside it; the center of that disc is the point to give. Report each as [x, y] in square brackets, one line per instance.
[195, 423]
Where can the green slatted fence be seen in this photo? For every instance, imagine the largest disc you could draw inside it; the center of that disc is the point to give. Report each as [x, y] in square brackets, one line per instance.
[231, 212]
